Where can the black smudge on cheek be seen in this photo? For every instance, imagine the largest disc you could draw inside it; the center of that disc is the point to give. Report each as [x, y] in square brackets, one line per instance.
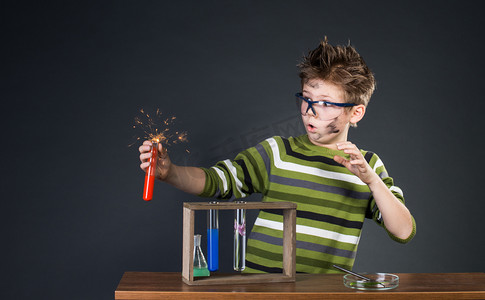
[333, 127]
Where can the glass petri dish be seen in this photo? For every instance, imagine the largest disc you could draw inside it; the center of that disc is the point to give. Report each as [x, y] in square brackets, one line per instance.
[379, 281]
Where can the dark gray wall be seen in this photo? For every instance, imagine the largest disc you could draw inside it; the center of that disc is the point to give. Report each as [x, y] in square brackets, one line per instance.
[74, 76]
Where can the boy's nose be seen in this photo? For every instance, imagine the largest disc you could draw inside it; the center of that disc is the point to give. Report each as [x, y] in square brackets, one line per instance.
[312, 113]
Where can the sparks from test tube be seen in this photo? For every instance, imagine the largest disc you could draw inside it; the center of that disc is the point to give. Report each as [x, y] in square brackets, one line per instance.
[158, 128]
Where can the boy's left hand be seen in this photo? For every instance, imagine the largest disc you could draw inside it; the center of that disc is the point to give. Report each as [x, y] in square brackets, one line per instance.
[357, 163]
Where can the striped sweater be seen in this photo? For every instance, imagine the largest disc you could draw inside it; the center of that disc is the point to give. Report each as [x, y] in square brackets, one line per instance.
[332, 202]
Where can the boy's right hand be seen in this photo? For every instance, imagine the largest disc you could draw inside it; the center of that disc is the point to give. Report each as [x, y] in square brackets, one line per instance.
[163, 162]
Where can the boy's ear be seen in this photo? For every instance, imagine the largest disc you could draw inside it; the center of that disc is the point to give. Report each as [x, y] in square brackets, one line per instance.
[357, 113]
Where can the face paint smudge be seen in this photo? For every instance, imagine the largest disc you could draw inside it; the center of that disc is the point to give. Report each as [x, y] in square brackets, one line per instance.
[333, 127]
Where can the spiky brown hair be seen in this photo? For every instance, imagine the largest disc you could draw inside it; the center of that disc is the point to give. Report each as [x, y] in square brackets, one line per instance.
[342, 66]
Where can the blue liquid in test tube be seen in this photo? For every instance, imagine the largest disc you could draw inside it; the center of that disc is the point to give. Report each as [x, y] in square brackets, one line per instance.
[213, 249]
[213, 239]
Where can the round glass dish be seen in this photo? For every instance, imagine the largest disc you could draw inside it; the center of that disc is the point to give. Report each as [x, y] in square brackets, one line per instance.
[379, 281]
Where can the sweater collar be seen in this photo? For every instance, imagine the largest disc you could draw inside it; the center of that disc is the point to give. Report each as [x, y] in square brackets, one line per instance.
[320, 149]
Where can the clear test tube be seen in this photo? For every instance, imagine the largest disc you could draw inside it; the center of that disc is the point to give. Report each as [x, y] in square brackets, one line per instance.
[150, 173]
[213, 238]
[239, 262]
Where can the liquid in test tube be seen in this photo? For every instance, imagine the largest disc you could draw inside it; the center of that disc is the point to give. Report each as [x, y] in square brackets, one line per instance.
[150, 173]
[213, 239]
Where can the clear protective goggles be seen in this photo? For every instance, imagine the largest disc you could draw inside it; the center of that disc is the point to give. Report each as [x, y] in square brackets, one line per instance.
[322, 110]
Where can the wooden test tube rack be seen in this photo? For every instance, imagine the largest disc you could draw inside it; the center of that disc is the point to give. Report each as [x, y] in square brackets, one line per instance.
[289, 244]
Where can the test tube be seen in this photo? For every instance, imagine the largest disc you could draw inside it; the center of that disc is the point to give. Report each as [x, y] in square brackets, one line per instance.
[213, 238]
[150, 173]
[239, 262]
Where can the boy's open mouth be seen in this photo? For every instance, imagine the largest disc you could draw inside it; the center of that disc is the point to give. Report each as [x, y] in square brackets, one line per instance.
[311, 128]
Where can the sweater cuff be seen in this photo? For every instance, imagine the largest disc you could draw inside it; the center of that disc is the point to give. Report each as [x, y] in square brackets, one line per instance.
[409, 238]
[210, 186]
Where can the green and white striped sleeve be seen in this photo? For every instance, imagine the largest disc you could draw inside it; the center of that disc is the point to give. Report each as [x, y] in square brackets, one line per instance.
[373, 211]
[238, 178]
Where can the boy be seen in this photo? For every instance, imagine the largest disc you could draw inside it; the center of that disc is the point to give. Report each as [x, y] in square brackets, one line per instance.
[334, 184]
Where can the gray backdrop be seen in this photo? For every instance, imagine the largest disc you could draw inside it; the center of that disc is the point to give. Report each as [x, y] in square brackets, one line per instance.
[75, 75]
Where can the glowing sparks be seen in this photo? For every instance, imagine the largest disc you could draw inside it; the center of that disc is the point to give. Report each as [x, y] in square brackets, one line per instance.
[157, 128]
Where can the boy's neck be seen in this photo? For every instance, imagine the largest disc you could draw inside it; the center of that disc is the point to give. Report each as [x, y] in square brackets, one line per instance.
[332, 145]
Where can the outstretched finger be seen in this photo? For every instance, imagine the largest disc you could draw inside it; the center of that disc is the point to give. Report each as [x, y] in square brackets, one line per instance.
[162, 151]
[353, 151]
[344, 145]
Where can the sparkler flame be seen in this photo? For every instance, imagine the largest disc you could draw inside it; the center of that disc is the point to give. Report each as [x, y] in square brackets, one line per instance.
[157, 128]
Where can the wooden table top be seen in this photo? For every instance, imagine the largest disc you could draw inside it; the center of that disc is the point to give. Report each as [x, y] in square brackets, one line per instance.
[158, 285]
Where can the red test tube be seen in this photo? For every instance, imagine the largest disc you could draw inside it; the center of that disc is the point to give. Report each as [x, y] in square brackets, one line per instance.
[150, 173]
